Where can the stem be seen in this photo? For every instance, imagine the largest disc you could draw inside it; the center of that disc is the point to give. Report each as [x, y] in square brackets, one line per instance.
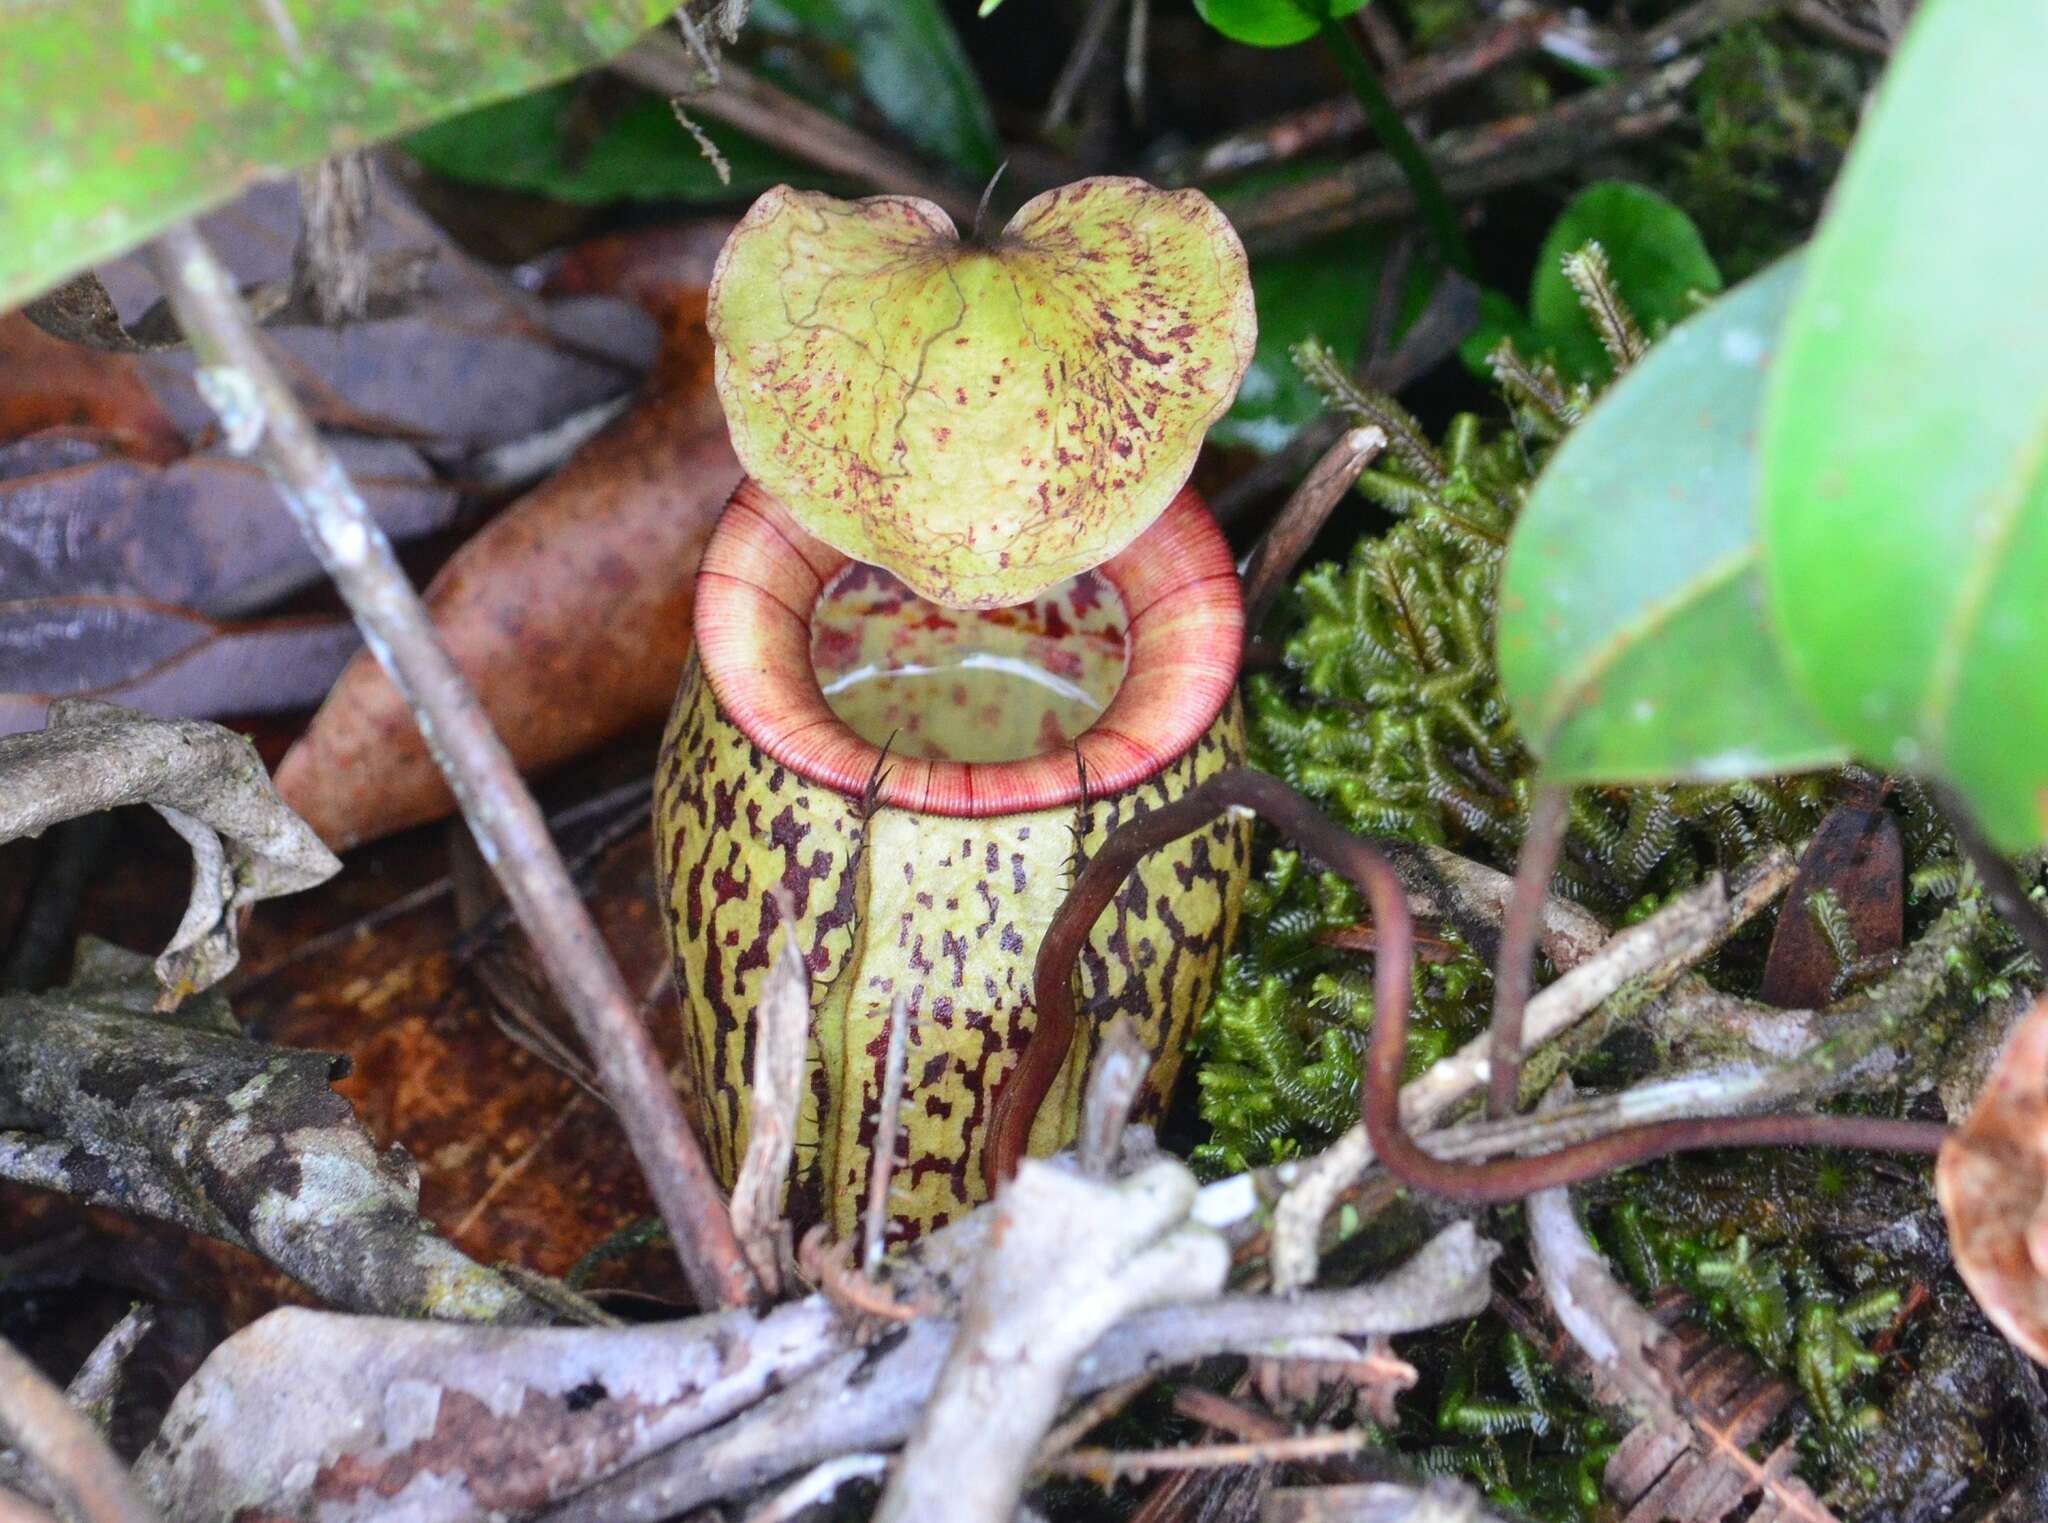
[1400, 143]
[1548, 816]
[90, 1483]
[1502, 1179]
[260, 414]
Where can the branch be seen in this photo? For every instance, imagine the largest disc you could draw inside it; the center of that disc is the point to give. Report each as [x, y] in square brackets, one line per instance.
[82, 1473]
[260, 414]
[739, 99]
[226, 1137]
[1296, 526]
[1471, 161]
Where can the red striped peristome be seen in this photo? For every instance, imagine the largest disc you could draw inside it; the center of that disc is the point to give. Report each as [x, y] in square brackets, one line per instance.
[929, 878]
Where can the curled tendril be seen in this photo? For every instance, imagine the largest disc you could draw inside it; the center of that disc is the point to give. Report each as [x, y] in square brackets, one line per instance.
[1491, 1182]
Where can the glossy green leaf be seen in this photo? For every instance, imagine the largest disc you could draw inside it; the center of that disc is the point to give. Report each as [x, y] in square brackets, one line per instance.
[1325, 290]
[1905, 458]
[547, 144]
[1655, 257]
[1272, 23]
[1633, 644]
[117, 119]
[910, 66]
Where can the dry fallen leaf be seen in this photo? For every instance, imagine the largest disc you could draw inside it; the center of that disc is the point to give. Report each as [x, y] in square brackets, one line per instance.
[48, 383]
[984, 420]
[569, 613]
[161, 659]
[1990, 1179]
[1855, 857]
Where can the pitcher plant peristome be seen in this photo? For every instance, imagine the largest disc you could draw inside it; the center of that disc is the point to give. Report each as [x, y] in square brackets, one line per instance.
[922, 778]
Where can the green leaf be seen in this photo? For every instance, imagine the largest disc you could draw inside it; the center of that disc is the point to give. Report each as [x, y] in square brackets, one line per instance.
[1655, 257]
[116, 120]
[1654, 254]
[540, 144]
[1272, 23]
[1633, 645]
[1325, 290]
[1905, 458]
[911, 67]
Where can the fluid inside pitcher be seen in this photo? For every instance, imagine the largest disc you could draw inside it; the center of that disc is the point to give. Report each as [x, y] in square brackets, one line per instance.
[990, 685]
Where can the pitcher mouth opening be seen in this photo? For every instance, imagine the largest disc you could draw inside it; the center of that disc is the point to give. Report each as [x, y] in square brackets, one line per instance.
[1097, 685]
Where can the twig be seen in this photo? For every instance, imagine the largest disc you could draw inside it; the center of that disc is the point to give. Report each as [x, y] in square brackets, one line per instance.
[1109, 1465]
[259, 412]
[330, 265]
[1471, 161]
[2000, 879]
[1079, 65]
[1382, 1101]
[882, 1165]
[868, 1401]
[1514, 968]
[819, 1486]
[759, 109]
[1821, 19]
[1629, 1350]
[83, 1474]
[1296, 526]
[97, 1384]
[16, 1508]
[1094, 1412]
[781, 1032]
[1069, 1258]
[1332, 121]
[1121, 1063]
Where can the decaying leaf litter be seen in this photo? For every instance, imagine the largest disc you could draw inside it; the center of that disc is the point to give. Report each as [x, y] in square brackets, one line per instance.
[465, 389]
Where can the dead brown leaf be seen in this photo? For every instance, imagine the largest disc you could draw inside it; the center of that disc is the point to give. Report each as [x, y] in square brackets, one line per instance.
[1856, 857]
[47, 383]
[570, 612]
[1990, 1180]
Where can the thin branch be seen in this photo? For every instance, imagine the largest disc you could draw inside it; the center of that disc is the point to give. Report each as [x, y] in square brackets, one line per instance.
[882, 1166]
[1471, 161]
[260, 414]
[1295, 528]
[1107, 1466]
[1079, 65]
[741, 99]
[1549, 813]
[1381, 1105]
[85, 1476]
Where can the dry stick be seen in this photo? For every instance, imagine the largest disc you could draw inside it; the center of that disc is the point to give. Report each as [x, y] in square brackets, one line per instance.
[88, 1480]
[882, 1165]
[1302, 519]
[1515, 967]
[2000, 879]
[258, 411]
[1107, 1465]
[1079, 65]
[757, 108]
[1502, 1179]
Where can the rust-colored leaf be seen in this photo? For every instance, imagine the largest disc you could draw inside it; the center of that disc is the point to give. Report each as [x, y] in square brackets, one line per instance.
[570, 612]
[48, 383]
[1990, 1180]
[1857, 860]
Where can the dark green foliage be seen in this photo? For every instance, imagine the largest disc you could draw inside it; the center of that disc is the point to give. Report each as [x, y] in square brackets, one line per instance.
[1774, 115]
